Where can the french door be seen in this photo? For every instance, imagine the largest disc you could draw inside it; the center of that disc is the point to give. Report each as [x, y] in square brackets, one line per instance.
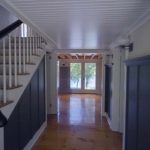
[83, 77]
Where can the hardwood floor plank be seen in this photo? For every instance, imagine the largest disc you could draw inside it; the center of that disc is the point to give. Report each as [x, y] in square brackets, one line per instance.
[79, 126]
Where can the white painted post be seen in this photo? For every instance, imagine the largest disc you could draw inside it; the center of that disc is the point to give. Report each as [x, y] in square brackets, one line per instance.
[24, 61]
[39, 44]
[35, 44]
[20, 52]
[10, 63]
[27, 44]
[37, 41]
[30, 50]
[33, 52]
[4, 72]
[15, 61]
[40, 41]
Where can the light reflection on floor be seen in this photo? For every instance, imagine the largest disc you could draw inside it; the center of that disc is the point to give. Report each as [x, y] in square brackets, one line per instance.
[79, 110]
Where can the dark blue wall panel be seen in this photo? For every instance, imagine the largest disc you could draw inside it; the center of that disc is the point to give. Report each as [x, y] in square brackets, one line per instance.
[29, 113]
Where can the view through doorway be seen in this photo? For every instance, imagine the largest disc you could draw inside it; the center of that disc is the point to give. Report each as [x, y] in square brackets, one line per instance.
[79, 73]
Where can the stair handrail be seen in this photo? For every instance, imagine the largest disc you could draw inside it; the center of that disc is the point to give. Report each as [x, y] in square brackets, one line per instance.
[10, 28]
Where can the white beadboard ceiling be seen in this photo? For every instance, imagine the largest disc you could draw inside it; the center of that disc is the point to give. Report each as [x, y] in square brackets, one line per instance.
[82, 24]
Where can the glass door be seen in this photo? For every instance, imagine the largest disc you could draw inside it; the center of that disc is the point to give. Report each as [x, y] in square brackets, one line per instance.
[75, 75]
[83, 77]
[90, 76]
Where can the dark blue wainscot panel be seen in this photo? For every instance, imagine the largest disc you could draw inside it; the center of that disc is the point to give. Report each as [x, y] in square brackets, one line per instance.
[34, 104]
[29, 113]
[138, 104]
[41, 93]
[11, 131]
[24, 118]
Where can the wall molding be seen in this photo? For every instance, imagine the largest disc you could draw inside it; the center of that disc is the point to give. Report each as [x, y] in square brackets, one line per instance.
[81, 51]
[139, 22]
[35, 137]
[124, 37]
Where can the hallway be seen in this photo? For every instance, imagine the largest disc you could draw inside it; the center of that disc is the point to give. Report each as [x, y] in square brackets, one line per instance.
[79, 126]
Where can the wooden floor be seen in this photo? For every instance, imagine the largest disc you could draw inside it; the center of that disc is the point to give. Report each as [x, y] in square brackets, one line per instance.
[79, 126]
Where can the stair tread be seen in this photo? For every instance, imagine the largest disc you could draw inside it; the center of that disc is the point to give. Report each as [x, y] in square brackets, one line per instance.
[2, 104]
[1, 74]
[13, 87]
[7, 63]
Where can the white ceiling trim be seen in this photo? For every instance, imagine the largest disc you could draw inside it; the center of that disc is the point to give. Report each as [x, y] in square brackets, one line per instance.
[124, 37]
[139, 22]
[8, 5]
[80, 51]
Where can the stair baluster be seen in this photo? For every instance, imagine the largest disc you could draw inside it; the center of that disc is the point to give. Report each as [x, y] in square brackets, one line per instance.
[10, 63]
[20, 66]
[30, 52]
[33, 52]
[4, 72]
[24, 59]
[38, 43]
[35, 44]
[27, 44]
[15, 60]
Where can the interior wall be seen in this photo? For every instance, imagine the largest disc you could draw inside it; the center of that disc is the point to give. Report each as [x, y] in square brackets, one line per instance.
[141, 47]
[116, 79]
[51, 83]
[6, 18]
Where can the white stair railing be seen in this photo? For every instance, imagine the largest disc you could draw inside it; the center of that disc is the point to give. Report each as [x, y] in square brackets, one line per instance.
[18, 49]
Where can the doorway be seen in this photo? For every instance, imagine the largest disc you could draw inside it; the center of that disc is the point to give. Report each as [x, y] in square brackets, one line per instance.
[80, 73]
[83, 77]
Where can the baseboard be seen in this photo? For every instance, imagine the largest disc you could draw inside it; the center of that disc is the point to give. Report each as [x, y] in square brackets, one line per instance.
[35, 137]
[108, 120]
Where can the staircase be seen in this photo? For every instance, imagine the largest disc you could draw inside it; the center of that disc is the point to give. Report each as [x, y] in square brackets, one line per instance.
[20, 53]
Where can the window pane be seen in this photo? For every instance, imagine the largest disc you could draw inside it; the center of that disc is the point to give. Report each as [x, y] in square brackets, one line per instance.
[90, 76]
[75, 75]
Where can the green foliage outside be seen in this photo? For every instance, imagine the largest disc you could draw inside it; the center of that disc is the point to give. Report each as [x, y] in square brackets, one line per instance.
[75, 69]
[75, 72]
[90, 71]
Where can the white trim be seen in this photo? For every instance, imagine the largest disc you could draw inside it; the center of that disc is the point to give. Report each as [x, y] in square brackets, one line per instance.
[108, 120]
[132, 28]
[46, 90]
[139, 22]
[81, 51]
[9, 5]
[35, 137]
